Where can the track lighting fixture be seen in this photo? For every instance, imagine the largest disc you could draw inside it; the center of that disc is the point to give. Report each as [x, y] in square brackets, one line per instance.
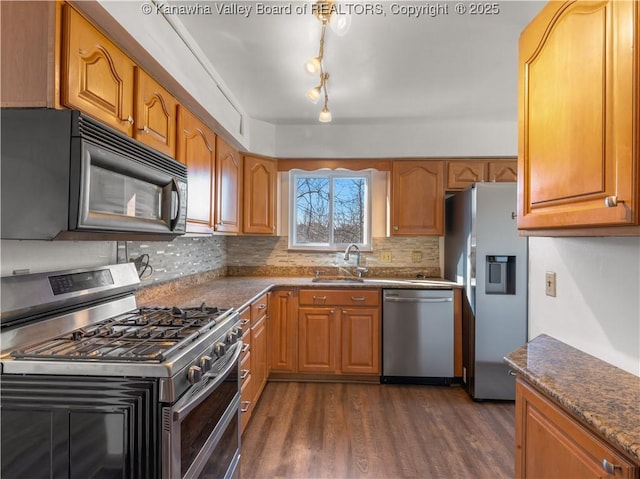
[324, 10]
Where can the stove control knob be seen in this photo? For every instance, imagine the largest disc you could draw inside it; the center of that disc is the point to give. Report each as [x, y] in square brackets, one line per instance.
[219, 349]
[233, 336]
[194, 375]
[205, 363]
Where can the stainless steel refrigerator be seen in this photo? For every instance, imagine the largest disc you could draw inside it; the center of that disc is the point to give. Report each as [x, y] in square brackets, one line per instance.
[484, 252]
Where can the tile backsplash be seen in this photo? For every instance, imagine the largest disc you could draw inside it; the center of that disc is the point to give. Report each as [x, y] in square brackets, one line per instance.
[262, 256]
[270, 255]
[181, 257]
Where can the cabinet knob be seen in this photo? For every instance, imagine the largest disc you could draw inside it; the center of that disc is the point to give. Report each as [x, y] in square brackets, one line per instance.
[611, 201]
[610, 468]
[129, 120]
[395, 228]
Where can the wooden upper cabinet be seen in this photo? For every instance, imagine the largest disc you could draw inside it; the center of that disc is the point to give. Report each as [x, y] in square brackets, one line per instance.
[417, 197]
[155, 115]
[462, 174]
[579, 116]
[259, 205]
[196, 149]
[97, 78]
[228, 188]
[502, 171]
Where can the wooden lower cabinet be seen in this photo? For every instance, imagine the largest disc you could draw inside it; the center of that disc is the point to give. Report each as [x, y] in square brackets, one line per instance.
[283, 330]
[360, 340]
[254, 368]
[339, 332]
[551, 444]
[317, 340]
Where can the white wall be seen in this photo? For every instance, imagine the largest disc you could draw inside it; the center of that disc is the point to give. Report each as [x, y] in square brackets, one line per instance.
[597, 307]
[398, 139]
[41, 256]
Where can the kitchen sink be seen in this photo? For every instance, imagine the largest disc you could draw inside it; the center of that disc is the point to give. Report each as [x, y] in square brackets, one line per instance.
[337, 279]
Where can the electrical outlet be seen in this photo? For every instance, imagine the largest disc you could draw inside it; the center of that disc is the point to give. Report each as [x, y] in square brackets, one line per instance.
[416, 256]
[550, 283]
[385, 256]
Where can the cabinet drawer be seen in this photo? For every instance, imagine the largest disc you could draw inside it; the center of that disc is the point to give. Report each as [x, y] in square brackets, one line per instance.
[245, 368]
[339, 297]
[259, 308]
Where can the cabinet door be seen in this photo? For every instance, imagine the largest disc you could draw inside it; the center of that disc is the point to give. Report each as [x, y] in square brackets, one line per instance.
[462, 174]
[228, 188]
[317, 340]
[360, 340]
[196, 149]
[417, 197]
[578, 116]
[259, 360]
[503, 171]
[283, 331]
[155, 116]
[550, 444]
[259, 205]
[96, 77]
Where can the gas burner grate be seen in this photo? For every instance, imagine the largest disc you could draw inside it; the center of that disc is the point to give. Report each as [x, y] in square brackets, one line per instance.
[146, 334]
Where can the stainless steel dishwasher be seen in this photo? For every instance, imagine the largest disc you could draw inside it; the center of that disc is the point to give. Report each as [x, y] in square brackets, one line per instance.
[417, 336]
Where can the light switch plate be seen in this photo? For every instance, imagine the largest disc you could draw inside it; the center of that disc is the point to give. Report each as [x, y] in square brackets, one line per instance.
[550, 283]
[385, 256]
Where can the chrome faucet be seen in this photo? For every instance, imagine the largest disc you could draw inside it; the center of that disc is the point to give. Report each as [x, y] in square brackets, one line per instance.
[360, 270]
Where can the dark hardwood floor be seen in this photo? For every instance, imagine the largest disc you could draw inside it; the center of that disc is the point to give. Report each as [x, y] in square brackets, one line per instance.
[343, 431]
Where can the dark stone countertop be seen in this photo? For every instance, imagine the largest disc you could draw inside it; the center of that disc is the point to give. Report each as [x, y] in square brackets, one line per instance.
[238, 292]
[602, 396]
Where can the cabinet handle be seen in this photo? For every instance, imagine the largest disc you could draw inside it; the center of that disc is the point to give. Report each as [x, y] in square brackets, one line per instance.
[344, 312]
[610, 468]
[320, 298]
[244, 322]
[245, 347]
[357, 298]
[261, 306]
[244, 373]
[244, 407]
[512, 372]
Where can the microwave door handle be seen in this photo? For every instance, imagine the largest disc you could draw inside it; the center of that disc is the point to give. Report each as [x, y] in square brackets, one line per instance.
[176, 218]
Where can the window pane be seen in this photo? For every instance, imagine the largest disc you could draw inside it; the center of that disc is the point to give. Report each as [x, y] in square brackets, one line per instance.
[312, 210]
[348, 210]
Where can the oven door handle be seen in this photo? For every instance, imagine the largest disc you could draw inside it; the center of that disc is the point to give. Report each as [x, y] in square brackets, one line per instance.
[189, 402]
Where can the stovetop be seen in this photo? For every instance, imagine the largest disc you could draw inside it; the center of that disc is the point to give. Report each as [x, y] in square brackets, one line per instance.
[146, 334]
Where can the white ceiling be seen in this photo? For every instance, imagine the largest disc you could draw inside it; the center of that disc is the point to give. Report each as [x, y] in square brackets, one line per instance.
[387, 67]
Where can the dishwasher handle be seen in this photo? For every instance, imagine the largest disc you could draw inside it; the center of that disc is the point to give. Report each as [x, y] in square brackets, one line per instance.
[400, 299]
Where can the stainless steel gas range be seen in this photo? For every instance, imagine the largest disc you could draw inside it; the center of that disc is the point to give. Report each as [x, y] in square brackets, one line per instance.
[93, 386]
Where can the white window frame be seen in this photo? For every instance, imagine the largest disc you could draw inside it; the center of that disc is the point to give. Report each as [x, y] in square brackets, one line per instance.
[328, 173]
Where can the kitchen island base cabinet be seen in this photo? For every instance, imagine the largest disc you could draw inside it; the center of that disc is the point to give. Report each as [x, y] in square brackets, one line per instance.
[551, 444]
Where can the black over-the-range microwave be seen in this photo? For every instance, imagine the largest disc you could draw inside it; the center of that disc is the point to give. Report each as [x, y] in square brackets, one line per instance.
[65, 175]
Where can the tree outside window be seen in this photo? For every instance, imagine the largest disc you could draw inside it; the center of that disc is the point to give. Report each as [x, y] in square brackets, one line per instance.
[329, 209]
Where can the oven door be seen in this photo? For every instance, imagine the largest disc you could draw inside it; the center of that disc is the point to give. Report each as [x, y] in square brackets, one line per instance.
[119, 194]
[200, 432]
